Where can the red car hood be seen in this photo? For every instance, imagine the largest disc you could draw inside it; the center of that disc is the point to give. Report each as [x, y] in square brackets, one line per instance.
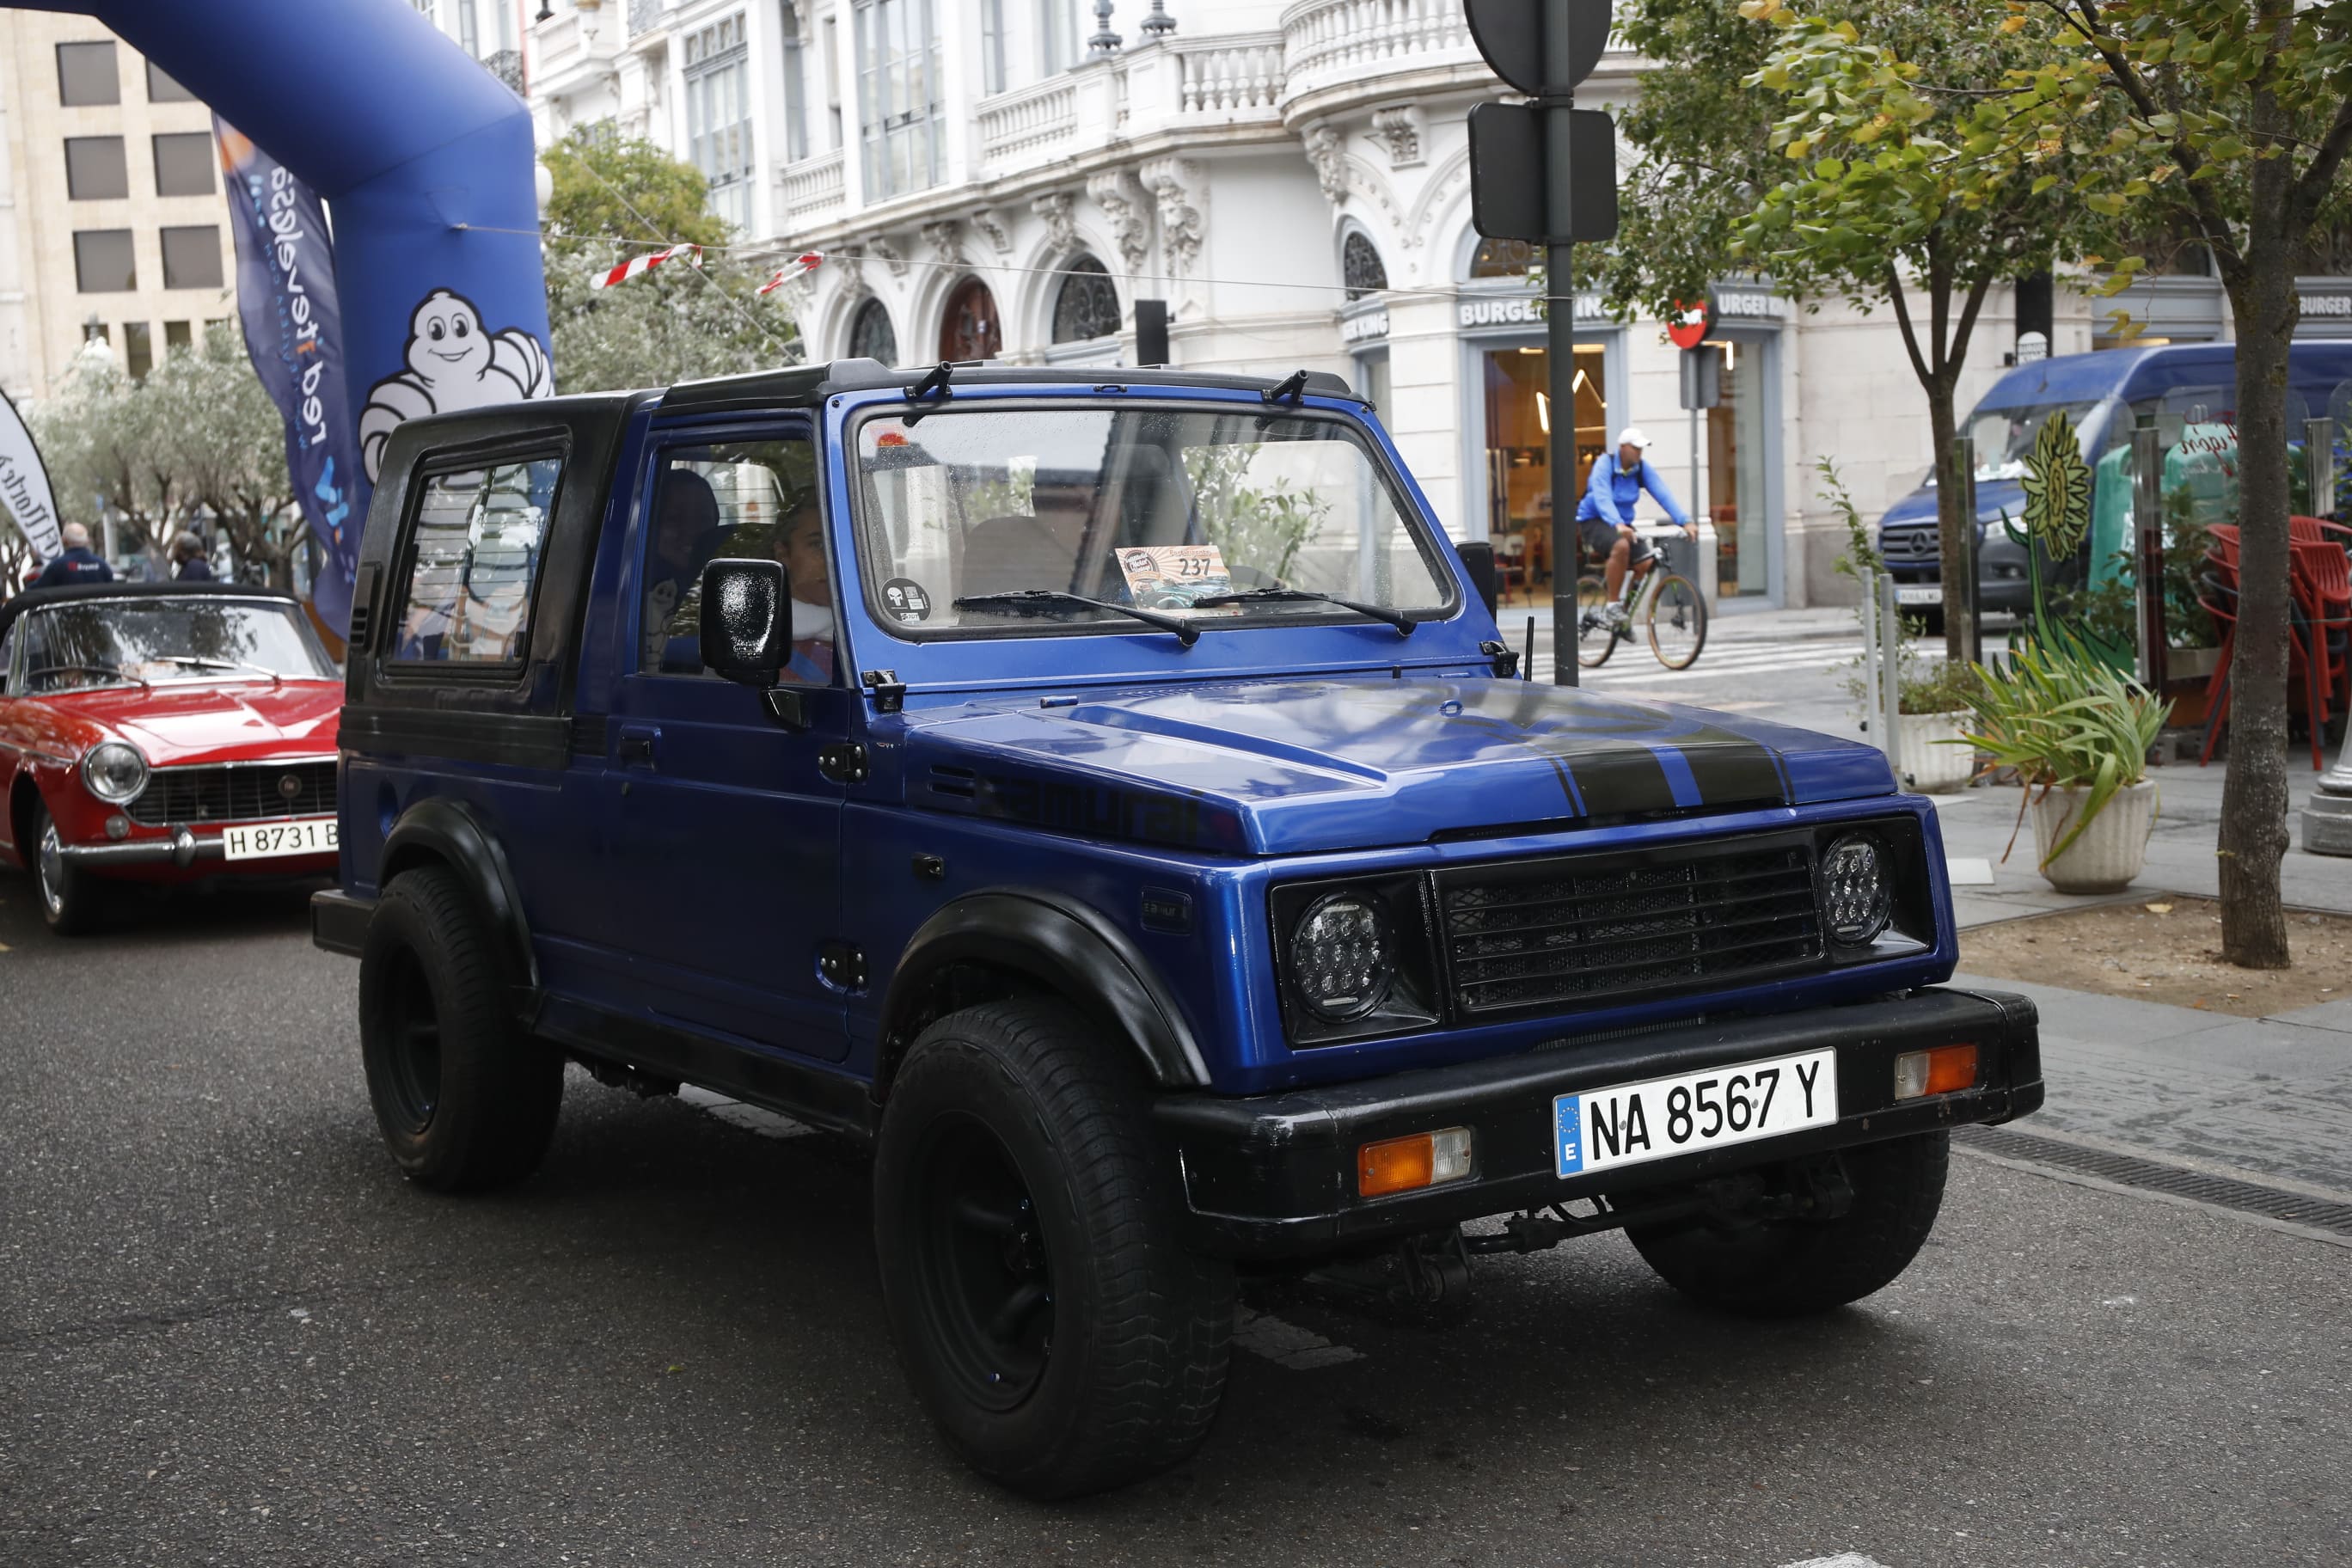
[215, 721]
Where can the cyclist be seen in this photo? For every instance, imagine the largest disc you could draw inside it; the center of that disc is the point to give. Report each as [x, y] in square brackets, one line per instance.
[1605, 515]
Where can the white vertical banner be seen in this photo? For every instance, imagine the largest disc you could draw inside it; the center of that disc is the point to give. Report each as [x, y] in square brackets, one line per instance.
[25, 485]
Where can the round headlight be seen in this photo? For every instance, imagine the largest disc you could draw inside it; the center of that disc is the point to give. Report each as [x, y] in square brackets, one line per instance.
[1856, 889]
[1342, 962]
[115, 771]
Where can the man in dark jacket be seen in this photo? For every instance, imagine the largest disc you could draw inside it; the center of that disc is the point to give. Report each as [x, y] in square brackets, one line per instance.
[188, 563]
[77, 562]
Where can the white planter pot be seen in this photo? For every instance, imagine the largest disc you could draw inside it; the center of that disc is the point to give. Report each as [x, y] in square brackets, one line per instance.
[1924, 765]
[2110, 852]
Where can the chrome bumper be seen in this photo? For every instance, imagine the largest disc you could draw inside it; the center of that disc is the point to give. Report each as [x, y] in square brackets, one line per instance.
[183, 848]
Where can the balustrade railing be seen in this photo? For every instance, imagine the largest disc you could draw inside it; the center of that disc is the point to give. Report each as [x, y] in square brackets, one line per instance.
[1228, 76]
[1325, 42]
[1019, 125]
[816, 185]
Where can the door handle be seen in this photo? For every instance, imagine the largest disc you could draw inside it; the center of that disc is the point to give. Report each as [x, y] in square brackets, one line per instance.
[638, 745]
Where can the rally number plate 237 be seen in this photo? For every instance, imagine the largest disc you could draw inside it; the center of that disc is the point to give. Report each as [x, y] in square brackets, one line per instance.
[1634, 1123]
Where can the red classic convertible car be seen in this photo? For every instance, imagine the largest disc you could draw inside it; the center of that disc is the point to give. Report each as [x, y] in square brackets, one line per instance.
[162, 732]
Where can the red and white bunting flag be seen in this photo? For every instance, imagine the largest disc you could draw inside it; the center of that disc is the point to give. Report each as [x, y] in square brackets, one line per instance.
[636, 264]
[806, 262]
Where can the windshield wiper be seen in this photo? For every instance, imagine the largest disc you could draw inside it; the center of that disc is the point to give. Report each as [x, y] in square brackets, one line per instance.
[275, 678]
[1397, 618]
[90, 668]
[1023, 601]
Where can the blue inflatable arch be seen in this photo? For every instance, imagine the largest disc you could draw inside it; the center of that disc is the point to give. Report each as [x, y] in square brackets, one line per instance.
[425, 161]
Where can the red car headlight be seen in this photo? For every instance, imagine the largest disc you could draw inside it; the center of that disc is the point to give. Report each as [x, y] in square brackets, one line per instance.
[115, 771]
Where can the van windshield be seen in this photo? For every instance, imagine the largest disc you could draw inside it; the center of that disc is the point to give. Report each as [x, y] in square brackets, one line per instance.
[979, 522]
[2005, 437]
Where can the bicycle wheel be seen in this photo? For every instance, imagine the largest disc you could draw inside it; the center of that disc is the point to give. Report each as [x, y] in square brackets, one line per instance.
[1595, 640]
[1677, 621]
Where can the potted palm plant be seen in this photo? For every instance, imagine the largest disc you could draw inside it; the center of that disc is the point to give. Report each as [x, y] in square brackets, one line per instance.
[2077, 734]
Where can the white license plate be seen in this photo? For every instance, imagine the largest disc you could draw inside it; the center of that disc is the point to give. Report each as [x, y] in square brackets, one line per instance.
[1736, 1104]
[263, 841]
[1928, 593]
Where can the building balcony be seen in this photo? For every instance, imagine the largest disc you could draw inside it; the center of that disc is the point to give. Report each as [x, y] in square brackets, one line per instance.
[811, 191]
[576, 48]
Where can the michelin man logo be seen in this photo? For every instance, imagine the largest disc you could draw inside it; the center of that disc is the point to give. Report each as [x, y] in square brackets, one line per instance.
[453, 362]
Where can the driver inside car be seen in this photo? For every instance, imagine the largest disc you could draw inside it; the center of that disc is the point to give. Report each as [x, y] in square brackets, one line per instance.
[800, 546]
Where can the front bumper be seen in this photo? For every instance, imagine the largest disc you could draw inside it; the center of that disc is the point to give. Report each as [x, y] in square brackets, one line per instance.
[1273, 1176]
[183, 848]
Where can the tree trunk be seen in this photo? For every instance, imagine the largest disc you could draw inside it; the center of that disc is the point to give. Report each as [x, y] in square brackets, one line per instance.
[2254, 834]
[1951, 517]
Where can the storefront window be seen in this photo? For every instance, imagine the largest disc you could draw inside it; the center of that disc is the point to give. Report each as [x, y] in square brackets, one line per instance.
[1735, 471]
[1502, 258]
[1519, 488]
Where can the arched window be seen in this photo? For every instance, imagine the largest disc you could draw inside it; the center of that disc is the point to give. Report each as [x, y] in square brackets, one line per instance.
[1087, 305]
[871, 335]
[1359, 266]
[968, 329]
[1502, 258]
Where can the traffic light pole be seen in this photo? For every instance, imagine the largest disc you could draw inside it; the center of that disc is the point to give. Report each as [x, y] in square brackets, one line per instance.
[1559, 320]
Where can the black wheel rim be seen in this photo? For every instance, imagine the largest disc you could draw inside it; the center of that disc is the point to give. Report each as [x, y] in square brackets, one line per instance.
[1596, 639]
[1677, 624]
[411, 1042]
[988, 1279]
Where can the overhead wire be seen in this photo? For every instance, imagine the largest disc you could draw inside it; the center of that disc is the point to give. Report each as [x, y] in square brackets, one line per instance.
[970, 265]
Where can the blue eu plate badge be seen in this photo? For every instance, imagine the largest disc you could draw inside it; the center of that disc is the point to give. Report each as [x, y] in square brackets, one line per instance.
[1567, 1132]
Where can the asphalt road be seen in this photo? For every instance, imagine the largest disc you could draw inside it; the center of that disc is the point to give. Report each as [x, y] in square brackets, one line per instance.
[230, 1333]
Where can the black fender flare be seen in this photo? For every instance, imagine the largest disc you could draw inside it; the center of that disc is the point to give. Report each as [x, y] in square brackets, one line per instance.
[450, 832]
[1063, 944]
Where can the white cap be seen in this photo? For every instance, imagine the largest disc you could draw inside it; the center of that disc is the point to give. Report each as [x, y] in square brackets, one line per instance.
[1633, 436]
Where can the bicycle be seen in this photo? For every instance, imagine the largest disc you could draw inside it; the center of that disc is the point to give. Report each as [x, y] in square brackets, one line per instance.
[1666, 604]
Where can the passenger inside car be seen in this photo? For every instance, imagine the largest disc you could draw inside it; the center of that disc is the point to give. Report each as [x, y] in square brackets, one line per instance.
[686, 536]
[800, 545]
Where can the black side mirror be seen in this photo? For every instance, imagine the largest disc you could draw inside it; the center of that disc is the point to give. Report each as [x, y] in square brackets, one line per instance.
[746, 620]
[1478, 560]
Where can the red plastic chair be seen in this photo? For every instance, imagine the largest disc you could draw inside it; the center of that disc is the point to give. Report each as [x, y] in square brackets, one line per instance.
[2219, 594]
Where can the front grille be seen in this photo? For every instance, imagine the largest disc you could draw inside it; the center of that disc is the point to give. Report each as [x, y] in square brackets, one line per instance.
[249, 793]
[1529, 936]
[1910, 544]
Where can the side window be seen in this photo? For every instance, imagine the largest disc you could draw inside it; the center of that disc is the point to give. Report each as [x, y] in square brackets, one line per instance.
[737, 500]
[8, 653]
[473, 565]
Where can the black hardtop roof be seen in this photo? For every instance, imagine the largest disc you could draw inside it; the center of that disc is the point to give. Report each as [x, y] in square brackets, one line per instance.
[34, 598]
[807, 385]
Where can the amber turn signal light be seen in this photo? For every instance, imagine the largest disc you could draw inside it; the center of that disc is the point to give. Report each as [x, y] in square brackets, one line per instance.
[1940, 1071]
[1406, 1164]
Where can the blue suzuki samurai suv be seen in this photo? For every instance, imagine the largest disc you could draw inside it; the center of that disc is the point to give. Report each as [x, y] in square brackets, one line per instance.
[1105, 795]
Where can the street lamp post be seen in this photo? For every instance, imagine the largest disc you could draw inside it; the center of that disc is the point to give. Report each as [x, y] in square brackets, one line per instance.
[2327, 819]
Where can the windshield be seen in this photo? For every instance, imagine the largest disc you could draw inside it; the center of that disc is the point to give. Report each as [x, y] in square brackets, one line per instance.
[118, 642]
[2004, 436]
[1157, 510]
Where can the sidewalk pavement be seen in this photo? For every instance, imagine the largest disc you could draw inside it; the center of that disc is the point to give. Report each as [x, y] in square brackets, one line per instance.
[1977, 821]
[2271, 1097]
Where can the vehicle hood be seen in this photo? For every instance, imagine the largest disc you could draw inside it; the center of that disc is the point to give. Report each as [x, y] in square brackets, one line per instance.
[1297, 767]
[1994, 497]
[211, 721]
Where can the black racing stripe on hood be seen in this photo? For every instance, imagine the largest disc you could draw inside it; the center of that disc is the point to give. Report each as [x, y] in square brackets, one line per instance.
[1619, 780]
[1740, 770]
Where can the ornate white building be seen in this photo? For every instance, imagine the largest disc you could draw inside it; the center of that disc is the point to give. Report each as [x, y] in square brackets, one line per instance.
[1008, 177]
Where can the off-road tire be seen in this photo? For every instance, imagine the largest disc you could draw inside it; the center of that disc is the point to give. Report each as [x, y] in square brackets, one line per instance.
[72, 901]
[1136, 1331]
[1789, 1268]
[467, 1101]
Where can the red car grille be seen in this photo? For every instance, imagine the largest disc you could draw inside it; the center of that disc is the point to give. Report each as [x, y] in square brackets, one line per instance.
[250, 792]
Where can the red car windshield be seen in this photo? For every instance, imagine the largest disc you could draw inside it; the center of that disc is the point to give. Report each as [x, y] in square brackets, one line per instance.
[159, 641]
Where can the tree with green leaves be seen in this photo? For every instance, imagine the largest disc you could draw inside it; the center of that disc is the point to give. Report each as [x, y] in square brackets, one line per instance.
[196, 440]
[1878, 102]
[616, 197]
[2228, 120]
